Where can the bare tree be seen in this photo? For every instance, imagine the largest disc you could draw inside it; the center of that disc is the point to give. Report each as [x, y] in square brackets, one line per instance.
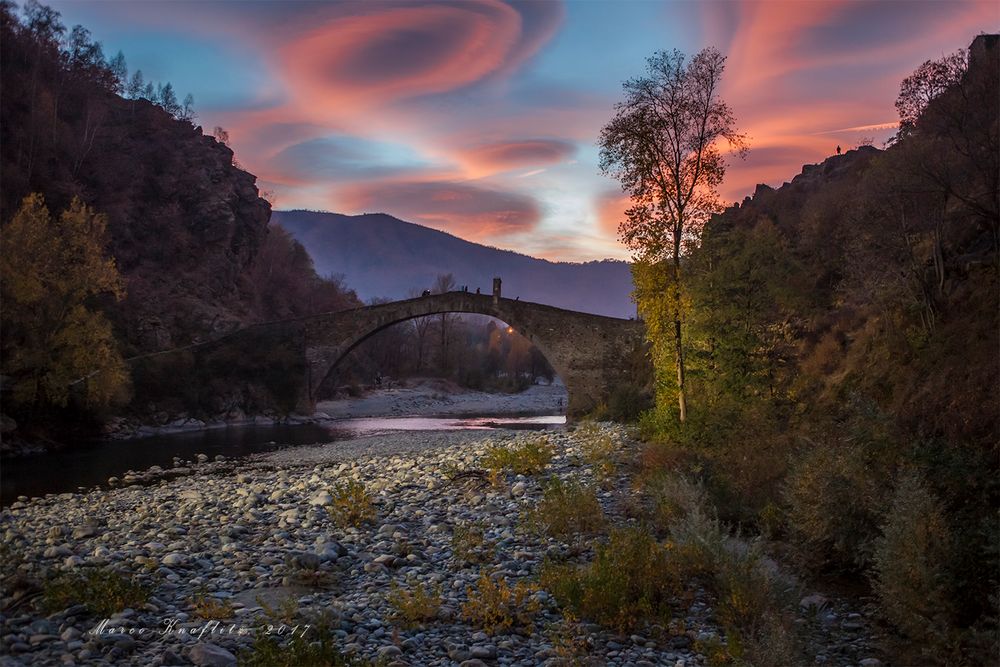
[665, 146]
[445, 282]
[187, 112]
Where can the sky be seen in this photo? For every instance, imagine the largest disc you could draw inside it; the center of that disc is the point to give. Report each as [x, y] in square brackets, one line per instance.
[481, 119]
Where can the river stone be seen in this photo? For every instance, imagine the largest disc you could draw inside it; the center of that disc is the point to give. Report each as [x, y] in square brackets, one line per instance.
[389, 651]
[211, 655]
[174, 559]
[321, 498]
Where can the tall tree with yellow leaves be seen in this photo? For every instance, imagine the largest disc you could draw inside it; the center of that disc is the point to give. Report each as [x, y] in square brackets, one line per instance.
[55, 342]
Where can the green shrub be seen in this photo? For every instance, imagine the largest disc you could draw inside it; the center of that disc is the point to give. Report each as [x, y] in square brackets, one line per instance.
[567, 509]
[414, 605]
[625, 404]
[352, 504]
[529, 458]
[628, 583]
[496, 607]
[910, 561]
[103, 591]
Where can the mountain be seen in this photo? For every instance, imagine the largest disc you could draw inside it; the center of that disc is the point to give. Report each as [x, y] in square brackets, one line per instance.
[382, 256]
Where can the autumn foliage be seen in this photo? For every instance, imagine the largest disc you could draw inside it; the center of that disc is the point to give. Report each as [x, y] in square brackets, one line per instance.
[56, 341]
[841, 354]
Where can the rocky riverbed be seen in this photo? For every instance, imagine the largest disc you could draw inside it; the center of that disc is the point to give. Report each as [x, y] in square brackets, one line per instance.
[255, 536]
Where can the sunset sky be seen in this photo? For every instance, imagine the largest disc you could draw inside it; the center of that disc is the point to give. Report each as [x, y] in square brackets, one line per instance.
[481, 119]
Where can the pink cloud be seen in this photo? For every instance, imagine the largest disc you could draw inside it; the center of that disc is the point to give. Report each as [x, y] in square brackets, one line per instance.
[465, 209]
[505, 155]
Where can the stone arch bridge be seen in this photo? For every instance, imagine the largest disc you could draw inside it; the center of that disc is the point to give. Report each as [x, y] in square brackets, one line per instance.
[592, 354]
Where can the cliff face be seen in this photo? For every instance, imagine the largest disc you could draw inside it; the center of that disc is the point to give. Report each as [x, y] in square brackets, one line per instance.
[184, 223]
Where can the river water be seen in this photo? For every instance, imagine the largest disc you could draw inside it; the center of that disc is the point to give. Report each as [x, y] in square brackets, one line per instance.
[89, 464]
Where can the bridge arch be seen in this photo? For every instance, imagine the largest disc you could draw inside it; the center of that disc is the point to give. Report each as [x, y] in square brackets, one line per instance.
[361, 338]
[591, 353]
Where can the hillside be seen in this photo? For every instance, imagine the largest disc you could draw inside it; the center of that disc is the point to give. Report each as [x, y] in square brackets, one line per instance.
[841, 364]
[185, 228]
[382, 256]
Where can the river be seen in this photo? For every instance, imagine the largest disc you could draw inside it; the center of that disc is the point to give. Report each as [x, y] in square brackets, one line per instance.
[88, 464]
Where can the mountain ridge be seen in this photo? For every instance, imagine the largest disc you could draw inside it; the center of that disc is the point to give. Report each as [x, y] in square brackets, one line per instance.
[381, 256]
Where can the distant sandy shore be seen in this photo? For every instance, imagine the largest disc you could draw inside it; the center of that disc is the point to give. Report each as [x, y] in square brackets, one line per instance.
[439, 398]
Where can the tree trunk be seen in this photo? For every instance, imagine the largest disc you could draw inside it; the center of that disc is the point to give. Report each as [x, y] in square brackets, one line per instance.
[678, 343]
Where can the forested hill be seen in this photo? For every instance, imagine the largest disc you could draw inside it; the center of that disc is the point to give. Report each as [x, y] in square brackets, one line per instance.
[184, 223]
[841, 365]
[187, 230]
[382, 256]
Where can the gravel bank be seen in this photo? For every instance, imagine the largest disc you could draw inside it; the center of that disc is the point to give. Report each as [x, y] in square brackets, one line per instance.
[258, 531]
[435, 397]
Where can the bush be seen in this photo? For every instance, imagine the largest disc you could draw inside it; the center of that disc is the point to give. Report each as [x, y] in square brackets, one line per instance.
[352, 504]
[910, 560]
[674, 498]
[414, 605]
[529, 458]
[832, 496]
[104, 592]
[599, 450]
[751, 602]
[496, 607]
[625, 405]
[469, 543]
[628, 583]
[567, 509]
[211, 608]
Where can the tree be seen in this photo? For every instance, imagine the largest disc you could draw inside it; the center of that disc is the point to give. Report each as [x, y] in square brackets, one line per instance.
[168, 100]
[664, 144]
[54, 340]
[119, 70]
[444, 283]
[149, 93]
[221, 135]
[43, 22]
[187, 113]
[926, 83]
[135, 85]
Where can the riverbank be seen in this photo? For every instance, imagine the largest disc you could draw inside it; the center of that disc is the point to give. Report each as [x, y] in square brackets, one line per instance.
[246, 542]
[429, 396]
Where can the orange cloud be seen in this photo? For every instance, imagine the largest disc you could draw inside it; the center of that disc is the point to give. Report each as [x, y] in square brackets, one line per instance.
[503, 156]
[610, 208]
[466, 210]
